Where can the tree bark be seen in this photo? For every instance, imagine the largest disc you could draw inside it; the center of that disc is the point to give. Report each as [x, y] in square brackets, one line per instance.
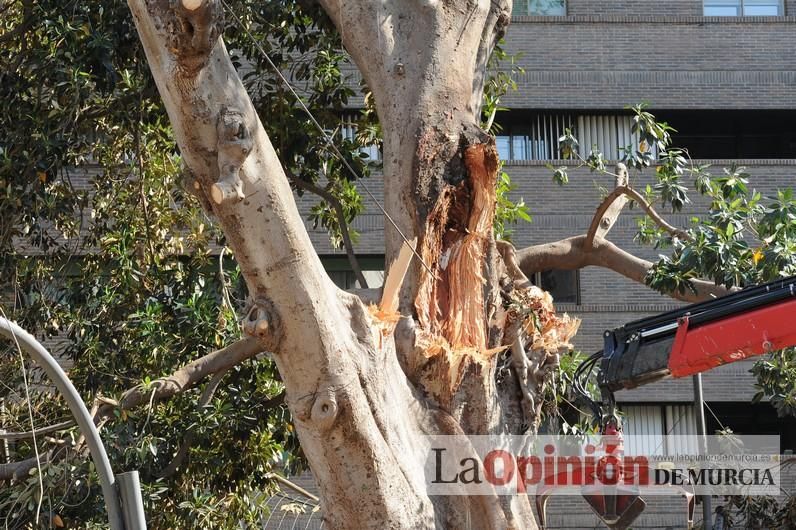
[360, 422]
[425, 63]
[364, 393]
[572, 254]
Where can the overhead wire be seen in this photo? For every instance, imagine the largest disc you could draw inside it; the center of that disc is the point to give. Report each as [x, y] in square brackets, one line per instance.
[580, 382]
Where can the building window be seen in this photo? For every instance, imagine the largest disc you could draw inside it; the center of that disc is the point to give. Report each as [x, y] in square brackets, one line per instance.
[750, 8]
[608, 134]
[540, 8]
[563, 286]
[534, 137]
[349, 131]
[660, 429]
[734, 134]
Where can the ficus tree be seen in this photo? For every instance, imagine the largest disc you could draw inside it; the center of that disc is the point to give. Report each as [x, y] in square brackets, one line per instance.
[366, 383]
[367, 375]
[107, 254]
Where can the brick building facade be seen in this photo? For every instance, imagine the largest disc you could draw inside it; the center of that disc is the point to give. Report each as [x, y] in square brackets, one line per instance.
[583, 65]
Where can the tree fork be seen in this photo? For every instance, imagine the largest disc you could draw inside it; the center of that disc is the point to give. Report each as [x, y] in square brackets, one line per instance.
[348, 395]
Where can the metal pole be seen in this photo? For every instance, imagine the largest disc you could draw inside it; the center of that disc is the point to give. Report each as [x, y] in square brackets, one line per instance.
[132, 503]
[82, 417]
[699, 404]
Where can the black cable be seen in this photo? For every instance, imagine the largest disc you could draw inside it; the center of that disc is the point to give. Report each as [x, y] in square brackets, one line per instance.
[580, 382]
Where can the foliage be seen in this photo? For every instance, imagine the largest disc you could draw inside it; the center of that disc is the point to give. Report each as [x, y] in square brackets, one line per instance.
[743, 239]
[117, 267]
[507, 211]
[775, 377]
[502, 71]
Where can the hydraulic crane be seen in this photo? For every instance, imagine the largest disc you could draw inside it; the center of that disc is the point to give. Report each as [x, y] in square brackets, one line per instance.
[679, 343]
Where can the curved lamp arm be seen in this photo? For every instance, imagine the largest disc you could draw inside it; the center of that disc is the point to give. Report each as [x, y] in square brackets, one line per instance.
[38, 353]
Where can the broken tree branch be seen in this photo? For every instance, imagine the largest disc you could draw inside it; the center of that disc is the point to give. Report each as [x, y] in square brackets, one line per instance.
[627, 191]
[17, 470]
[572, 254]
[613, 212]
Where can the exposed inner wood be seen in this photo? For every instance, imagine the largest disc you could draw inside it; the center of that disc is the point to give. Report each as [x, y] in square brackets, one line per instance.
[451, 305]
[452, 318]
[385, 315]
[395, 278]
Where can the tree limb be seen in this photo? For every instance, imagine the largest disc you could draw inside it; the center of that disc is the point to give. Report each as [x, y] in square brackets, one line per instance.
[17, 470]
[611, 215]
[572, 254]
[620, 191]
[44, 430]
[338, 210]
[509, 255]
[190, 374]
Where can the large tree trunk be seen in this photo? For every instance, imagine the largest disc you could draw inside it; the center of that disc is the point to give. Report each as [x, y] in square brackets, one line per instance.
[363, 395]
[425, 63]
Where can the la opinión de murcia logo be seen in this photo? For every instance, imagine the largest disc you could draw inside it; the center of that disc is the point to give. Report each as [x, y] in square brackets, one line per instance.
[508, 465]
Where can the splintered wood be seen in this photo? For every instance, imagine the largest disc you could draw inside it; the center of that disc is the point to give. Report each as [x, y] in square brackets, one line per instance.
[465, 325]
[452, 332]
[385, 315]
[452, 318]
[451, 306]
[545, 330]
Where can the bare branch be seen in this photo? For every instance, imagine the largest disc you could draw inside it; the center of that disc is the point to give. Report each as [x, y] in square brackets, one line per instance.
[572, 254]
[17, 470]
[190, 374]
[338, 210]
[295, 487]
[44, 430]
[611, 215]
[509, 255]
[627, 191]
